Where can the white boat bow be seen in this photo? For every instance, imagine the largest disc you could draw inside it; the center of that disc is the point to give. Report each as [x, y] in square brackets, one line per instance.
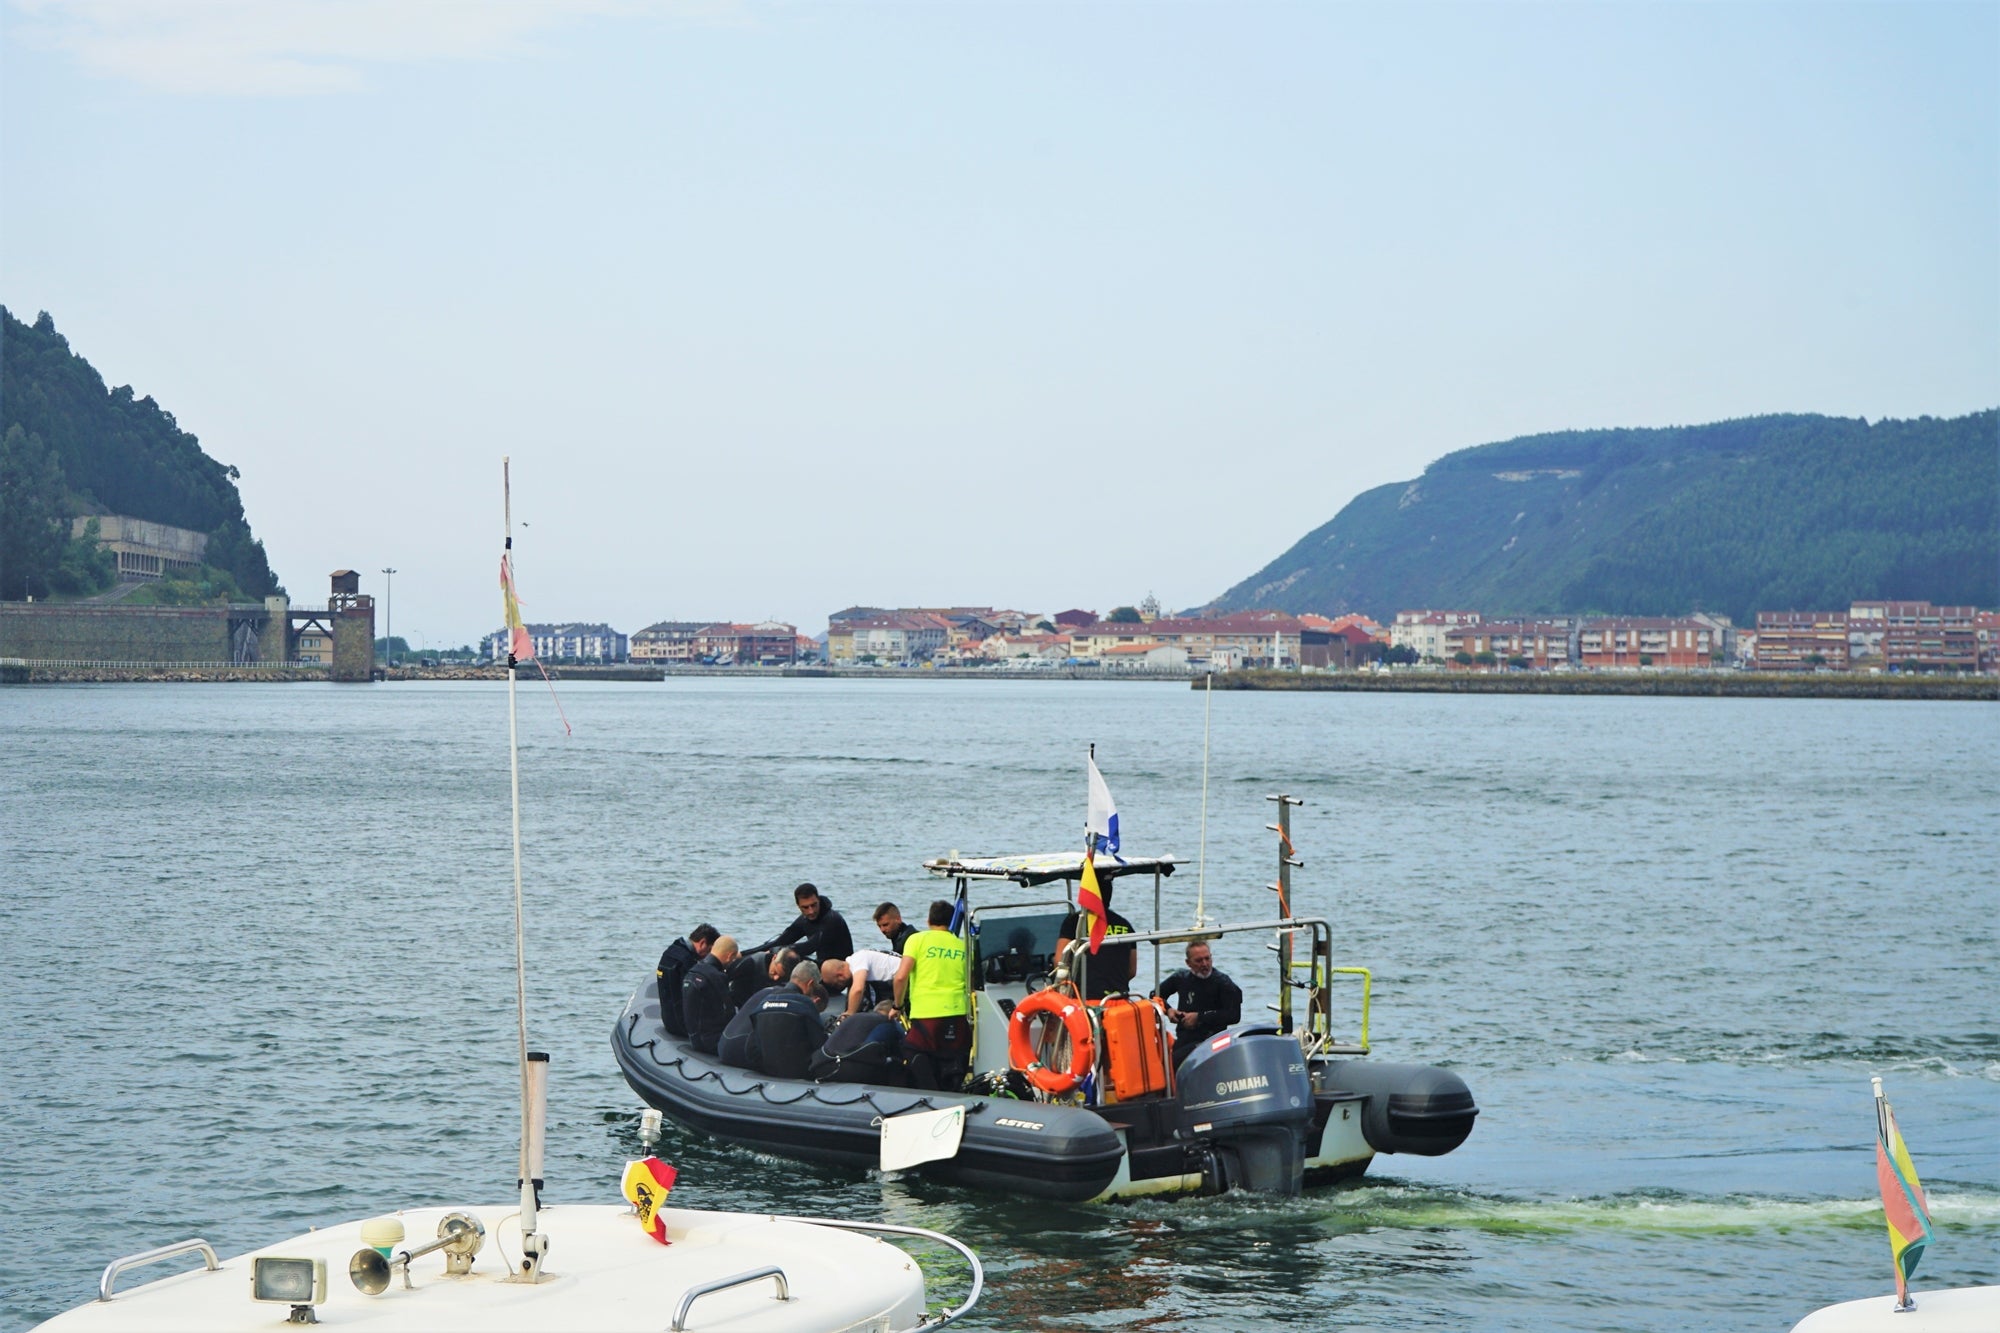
[722, 1273]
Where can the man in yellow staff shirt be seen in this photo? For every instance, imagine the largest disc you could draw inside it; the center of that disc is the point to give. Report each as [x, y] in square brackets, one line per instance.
[933, 989]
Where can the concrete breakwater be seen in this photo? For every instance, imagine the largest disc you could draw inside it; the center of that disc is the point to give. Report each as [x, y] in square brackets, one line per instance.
[638, 675]
[1733, 684]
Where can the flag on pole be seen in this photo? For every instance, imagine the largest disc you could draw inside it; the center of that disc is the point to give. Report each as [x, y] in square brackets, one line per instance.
[519, 646]
[1903, 1203]
[1091, 902]
[1100, 833]
[1100, 819]
[646, 1184]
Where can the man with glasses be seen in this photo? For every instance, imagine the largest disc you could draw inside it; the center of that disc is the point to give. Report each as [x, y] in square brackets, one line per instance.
[1201, 1001]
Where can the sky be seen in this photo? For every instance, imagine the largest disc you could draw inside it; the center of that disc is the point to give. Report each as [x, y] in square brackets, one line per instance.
[779, 308]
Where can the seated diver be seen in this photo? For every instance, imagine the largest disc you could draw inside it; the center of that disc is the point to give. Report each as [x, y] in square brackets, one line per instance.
[778, 1031]
[755, 972]
[865, 1048]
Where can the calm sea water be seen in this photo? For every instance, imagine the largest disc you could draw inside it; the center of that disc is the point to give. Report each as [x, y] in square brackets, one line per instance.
[257, 956]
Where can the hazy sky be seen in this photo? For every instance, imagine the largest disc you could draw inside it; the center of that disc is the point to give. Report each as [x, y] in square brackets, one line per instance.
[784, 307]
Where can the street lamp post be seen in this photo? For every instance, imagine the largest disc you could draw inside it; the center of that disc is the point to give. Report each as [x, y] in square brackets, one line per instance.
[389, 614]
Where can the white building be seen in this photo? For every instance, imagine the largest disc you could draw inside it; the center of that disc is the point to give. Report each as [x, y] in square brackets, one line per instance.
[1425, 630]
[566, 643]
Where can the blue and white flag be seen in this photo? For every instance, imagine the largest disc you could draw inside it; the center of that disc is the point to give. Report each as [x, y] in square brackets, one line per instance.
[1100, 820]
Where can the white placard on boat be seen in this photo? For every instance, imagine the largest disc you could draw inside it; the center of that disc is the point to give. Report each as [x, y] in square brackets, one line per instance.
[917, 1137]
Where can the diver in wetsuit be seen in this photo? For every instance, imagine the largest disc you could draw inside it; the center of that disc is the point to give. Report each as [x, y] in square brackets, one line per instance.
[1208, 1001]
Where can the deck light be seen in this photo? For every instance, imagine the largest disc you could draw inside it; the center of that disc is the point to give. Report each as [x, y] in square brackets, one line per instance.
[299, 1283]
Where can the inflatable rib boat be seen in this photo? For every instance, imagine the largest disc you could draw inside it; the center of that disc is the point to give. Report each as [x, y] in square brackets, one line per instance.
[1264, 1105]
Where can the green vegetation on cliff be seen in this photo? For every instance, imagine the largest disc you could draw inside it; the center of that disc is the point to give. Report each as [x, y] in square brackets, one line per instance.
[69, 445]
[1767, 513]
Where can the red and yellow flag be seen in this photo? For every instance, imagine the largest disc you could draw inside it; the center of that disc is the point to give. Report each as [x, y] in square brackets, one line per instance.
[519, 646]
[1903, 1202]
[646, 1184]
[1090, 901]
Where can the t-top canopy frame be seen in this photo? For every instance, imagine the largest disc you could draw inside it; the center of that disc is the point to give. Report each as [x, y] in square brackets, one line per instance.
[1046, 867]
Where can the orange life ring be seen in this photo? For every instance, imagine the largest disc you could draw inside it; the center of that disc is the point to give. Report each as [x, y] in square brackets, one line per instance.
[1082, 1045]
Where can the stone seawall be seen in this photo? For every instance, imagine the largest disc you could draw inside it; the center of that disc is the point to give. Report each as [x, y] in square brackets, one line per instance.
[69, 632]
[1731, 684]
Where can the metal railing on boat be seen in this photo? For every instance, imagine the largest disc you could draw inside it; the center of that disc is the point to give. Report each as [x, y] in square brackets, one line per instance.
[916, 1233]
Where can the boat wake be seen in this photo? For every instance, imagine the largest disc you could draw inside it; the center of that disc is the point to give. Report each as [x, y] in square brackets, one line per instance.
[1392, 1204]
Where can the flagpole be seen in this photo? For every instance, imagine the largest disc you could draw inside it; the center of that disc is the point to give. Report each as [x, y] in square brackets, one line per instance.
[531, 1243]
[1883, 1148]
[1201, 866]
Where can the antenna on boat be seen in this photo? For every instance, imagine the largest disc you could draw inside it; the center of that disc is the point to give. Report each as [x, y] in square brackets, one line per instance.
[534, 1064]
[1201, 865]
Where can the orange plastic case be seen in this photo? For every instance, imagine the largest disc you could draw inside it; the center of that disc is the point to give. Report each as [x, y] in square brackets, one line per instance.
[1135, 1051]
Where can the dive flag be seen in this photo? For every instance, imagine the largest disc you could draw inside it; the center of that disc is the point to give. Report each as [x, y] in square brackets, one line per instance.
[1100, 819]
[1903, 1204]
[519, 646]
[646, 1184]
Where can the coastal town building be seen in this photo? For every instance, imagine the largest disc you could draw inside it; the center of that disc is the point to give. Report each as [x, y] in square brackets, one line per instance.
[1541, 644]
[1986, 634]
[667, 642]
[766, 643]
[1423, 631]
[573, 642]
[1147, 656]
[1645, 641]
[1917, 636]
[1871, 635]
[1331, 646]
[1256, 638]
[1035, 647]
[1802, 640]
[894, 636]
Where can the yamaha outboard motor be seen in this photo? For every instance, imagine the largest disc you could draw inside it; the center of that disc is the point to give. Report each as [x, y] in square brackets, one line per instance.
[1247, 1094]
[1418, 1109]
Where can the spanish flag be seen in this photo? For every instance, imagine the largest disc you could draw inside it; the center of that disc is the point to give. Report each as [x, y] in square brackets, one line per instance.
[646, 1184]
[1090, 901]
[519, 646]
[1903, 1203]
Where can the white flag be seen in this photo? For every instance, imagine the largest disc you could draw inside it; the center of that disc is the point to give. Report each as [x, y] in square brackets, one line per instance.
[1100, 820]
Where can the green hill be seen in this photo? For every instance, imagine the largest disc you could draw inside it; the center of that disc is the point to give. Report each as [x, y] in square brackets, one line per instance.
[69, 445]
[1766, 513]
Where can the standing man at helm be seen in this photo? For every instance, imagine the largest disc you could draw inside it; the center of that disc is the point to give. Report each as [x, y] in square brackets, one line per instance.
[933, 986]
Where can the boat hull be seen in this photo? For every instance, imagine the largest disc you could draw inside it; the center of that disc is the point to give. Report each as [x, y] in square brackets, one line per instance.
[1052, 1152]
[1034, 1149]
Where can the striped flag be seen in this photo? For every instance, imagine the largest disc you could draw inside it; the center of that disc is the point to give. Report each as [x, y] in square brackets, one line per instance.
[519, 646]
[1903, 1203]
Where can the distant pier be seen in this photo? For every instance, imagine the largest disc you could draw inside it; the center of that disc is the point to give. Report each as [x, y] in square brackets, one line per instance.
[1707, 684]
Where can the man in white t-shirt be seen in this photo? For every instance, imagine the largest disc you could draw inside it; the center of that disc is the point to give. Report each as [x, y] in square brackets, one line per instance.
[868, 976]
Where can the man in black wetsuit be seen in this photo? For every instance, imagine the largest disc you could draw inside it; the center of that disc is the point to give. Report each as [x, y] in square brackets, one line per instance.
[1208, 1001]
[818, 932]
[680, 956]
[1111, 969]
[779, 1031]
[754, 972]
[889, 920]
[705, 996]
[866, 1048]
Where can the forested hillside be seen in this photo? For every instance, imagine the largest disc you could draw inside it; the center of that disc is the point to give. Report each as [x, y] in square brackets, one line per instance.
[69, 445]
[1740, 516]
